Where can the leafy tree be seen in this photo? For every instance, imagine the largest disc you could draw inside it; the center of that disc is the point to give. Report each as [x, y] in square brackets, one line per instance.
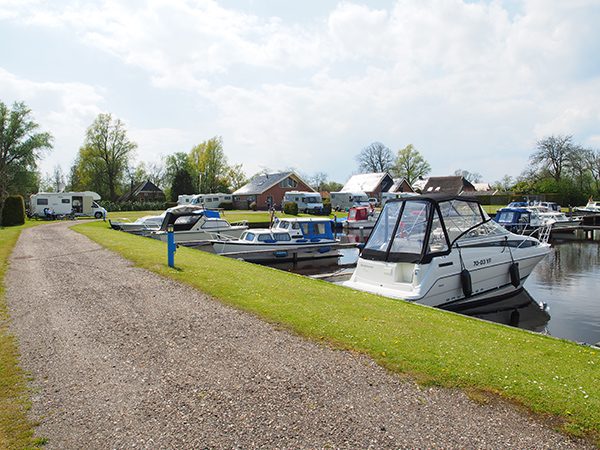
[182, 184]
[375, 157]
[553, 155]
[332, 186]
[209, 163]
[472, 177]
[20, 148]
[175, 163]
[410, 164]
[236, 177]
[505, 184]
[109, 147]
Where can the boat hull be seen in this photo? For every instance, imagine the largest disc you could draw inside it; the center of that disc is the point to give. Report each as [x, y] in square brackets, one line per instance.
[271, 252]
[200, 235]
[439, 282]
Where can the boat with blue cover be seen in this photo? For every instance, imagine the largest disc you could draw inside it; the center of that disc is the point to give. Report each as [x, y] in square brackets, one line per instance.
[296, 238]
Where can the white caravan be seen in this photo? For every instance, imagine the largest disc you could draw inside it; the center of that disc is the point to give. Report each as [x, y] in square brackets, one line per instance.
[58, 203]
[308, 202]
[211, 200]
[185, 199]
[346, 200]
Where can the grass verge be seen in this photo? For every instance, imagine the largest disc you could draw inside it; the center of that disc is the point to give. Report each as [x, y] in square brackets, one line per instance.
[16, 431]
[551, 377]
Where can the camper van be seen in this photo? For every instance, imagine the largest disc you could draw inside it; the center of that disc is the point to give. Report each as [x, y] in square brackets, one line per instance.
[308, 202]
[211, 200]
[346, 200]
[385, 196]
[185, 199]
[44, 204]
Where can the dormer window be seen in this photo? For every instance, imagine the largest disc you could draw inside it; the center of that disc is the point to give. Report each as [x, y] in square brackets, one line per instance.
[288, 183]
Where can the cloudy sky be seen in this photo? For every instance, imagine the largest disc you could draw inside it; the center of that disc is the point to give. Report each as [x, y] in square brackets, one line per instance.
[307, 84]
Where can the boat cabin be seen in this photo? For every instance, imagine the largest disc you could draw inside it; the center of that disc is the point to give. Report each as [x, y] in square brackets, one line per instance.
[186, 218]
[517, 219]
[417, 229]
[311, 229]
[357, 213]
[265, 236]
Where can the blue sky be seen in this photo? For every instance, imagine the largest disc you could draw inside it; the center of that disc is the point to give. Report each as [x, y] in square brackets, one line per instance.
[472, 85]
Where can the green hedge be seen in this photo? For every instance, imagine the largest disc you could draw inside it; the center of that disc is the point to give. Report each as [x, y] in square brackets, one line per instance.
[290, 208]
[13, 211]
[136, 206]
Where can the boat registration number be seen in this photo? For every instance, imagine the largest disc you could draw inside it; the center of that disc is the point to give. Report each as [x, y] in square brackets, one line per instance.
[482, 262]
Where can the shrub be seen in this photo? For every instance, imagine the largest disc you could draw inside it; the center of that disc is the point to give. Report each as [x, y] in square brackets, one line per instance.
[253, 206]
[228, 206]
[290, 208]
[326, 206]
[13, 211]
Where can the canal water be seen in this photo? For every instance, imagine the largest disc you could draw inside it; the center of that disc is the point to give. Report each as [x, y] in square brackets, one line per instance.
[561, 297]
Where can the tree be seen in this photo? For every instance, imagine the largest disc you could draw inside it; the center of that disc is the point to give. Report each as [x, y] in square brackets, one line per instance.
[209, 163]
[410, 164]
[375, 157]
[236, 177]
[471, 177]
[155, 171]
[505, 184]
[593, 164]
[20, 147]
[553, 155]
[182, 184]
[318, 180]
[107, 142]
[332, 186]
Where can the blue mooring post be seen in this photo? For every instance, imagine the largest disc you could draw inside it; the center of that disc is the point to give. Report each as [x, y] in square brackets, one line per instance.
[171, 247]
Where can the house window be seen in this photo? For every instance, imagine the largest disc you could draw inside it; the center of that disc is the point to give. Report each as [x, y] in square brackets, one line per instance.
[288, 183]
[42, 201]
[66, 200]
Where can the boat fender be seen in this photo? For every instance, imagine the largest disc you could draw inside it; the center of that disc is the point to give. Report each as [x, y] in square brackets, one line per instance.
[465, 280]
[515, 277]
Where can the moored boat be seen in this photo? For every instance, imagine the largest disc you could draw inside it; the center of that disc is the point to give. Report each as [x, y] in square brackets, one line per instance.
[444, 251]
[286, 239]
[196, 224]
[360, 217]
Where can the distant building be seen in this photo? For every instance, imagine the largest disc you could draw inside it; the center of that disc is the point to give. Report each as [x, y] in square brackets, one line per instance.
[268, 190]
[372, 184]
[146, 191]
[401, 185]
[453, 185]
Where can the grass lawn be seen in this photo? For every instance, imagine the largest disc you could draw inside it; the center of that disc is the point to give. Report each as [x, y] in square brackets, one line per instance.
[551, 377]
[16, 431]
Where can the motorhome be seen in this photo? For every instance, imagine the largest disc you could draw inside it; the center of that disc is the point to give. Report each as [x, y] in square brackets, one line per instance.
[211, 200]
[308, 202]
[185, 199]
[85, 203]
[346, 200]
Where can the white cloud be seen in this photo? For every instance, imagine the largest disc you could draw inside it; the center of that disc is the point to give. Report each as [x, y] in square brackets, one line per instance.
[471, 85]
[64, 109]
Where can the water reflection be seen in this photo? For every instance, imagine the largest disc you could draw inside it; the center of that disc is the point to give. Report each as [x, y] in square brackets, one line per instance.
[568, 280]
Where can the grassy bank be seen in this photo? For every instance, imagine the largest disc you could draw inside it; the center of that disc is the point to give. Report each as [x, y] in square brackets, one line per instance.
[16, 431]
[547, 375]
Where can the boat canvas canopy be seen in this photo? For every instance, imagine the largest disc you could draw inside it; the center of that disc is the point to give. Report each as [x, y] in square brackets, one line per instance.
[416, 229]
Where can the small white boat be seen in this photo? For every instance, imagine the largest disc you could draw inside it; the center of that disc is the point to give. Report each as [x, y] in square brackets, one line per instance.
[196, 224]
[286, 239]
[146, 223]
[591, 207]
[444, 251]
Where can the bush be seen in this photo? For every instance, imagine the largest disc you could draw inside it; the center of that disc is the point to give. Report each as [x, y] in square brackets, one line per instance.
[136, 206]
[13, 211]
[228, 206]
[253, 206]
[290, 208]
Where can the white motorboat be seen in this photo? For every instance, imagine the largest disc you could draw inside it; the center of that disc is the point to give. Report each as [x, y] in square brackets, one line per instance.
[146, 223]
[444, 251]
[300, 238]
[592, 207]
[196, 224]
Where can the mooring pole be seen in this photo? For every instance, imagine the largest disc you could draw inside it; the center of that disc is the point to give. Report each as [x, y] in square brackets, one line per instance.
[171, 247]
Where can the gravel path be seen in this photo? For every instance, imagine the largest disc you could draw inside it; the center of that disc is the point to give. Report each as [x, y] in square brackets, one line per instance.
[123, 358]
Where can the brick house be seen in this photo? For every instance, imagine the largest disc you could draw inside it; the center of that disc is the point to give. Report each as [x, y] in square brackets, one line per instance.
[401, 185]
[372, 184]
[268, 189]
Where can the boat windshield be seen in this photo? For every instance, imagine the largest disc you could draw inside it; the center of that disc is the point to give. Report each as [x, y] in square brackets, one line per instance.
[416, 230]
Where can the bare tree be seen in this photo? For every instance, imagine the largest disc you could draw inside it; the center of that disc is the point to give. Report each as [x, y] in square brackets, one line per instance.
[593, 164]
[471, 177]
[553, 155]
[58, 179]
[505, 184]
[318, 180]
[410, 164]
[375, 157]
